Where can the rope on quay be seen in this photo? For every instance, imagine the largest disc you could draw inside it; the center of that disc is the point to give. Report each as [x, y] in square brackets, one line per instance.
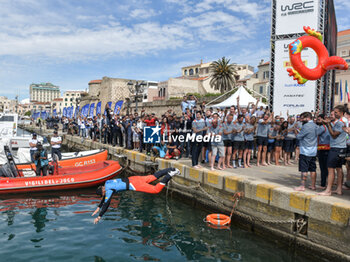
[299, 223]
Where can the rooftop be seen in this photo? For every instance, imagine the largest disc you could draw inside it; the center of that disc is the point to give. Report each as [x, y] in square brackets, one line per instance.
[344, 32]
[97, 81]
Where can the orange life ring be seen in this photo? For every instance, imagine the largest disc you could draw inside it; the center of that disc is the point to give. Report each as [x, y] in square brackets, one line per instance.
[300, 71]
[218, 219]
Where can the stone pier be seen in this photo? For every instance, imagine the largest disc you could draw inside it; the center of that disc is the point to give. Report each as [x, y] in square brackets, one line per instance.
[268, 195]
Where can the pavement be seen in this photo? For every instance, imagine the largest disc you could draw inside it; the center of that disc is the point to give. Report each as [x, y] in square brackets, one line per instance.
[286, 176]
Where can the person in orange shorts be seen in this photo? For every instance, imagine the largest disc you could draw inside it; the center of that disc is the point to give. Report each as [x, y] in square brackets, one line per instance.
[135, 183]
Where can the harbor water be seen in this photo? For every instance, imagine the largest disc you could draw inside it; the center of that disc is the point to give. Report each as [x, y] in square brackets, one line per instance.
[59, 227]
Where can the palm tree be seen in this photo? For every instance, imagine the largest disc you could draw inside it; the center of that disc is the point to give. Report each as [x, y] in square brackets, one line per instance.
[223, 75]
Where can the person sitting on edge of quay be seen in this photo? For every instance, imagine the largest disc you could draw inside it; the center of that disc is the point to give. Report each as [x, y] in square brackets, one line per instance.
[308, 151]
[132, 183]
[337, 147]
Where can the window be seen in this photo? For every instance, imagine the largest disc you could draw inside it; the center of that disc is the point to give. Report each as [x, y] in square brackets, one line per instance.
[7, 118]
[336, 89]
[185, 72]
[207, 70]
[191, 72]
[266, 74]
[196, 70]
[344, 53]
[66, 99]
[261, 89]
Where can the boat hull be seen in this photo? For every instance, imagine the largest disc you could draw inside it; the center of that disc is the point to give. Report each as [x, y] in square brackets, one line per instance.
[75, 161]
[69, 178]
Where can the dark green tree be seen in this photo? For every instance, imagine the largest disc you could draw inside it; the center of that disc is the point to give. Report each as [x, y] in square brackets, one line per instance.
[223, 75]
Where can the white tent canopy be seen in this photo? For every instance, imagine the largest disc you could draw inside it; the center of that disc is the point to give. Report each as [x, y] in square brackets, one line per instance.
[244, 99]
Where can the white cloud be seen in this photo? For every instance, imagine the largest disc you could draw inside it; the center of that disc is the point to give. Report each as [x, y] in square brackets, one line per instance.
[253, 9]
[143, 13]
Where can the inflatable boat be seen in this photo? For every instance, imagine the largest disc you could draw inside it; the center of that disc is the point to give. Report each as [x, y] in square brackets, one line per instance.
[93, 157]
[23, 155]
[20, 180]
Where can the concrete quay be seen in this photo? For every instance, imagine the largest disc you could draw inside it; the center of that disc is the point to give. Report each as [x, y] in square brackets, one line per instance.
[268, 195]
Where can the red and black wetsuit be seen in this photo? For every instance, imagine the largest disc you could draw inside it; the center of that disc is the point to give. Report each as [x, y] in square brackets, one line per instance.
[136, 183]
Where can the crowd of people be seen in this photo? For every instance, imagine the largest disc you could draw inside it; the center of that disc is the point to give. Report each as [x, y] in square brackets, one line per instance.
[234, 137]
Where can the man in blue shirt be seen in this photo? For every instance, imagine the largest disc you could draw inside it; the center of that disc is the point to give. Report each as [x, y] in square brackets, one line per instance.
[184, 104]
[238, 141]
[308, 150]
[216, 131]
[337, 147]
[198, 127]
[262, 140]
[227, 138]
[323, 149]
[135, 183]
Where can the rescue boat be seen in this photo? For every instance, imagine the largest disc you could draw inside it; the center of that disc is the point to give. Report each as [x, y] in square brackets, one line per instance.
[23, 180]
[78, 161]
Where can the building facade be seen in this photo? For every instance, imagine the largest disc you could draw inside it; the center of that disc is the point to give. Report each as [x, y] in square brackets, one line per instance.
[7, 105]
[44, 92]
[71, 98]
[342, 77]
[259, 82]
[57, 104]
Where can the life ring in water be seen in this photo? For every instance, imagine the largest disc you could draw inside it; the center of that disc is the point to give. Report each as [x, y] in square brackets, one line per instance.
[300, 71]
[218, 219]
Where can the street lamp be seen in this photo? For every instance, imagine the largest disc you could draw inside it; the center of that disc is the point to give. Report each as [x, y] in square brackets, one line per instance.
[136, 89]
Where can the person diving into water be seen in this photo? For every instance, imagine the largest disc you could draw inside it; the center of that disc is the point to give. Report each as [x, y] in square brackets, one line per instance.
[135, 183]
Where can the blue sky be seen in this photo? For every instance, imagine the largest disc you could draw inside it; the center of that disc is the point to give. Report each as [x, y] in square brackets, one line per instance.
[70, 42]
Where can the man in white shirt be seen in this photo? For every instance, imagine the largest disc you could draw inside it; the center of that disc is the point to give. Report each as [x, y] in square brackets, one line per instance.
[56, 142]
[32, 143]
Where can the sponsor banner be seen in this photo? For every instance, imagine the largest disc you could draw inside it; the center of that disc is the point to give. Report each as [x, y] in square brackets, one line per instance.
[76, 112]
[64, 113]
[287, 93]
[91, 112]
[118, 107]
[292, 15]
[84, 110]
[98, 108]
[71, 110]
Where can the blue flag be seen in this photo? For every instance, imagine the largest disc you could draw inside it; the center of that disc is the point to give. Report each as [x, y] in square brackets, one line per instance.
[64, 113]
[341, 92]
[98, 108]
[85, 110]
[91, 112]
[71, 111]
[54, 113]
[118, 107]
[76, 112]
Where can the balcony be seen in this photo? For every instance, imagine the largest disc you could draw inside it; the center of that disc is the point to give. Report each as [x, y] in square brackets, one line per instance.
[158, 98]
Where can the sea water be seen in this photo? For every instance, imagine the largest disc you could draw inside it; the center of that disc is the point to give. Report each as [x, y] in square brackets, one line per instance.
[137, 227]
